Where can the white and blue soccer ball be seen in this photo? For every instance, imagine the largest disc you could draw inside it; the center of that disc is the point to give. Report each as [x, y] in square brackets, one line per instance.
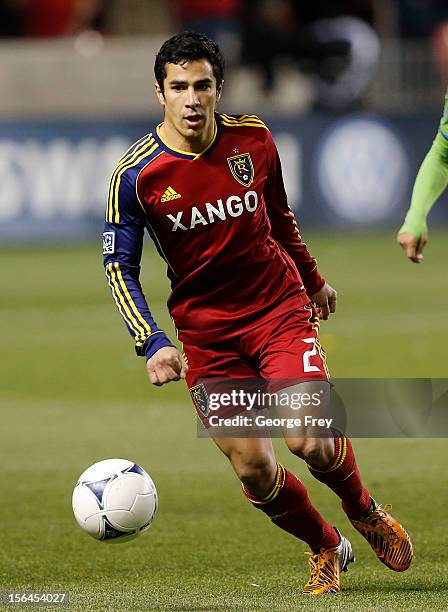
[114, 500]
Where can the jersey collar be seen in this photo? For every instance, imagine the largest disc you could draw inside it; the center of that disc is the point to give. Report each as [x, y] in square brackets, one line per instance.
[186, 154]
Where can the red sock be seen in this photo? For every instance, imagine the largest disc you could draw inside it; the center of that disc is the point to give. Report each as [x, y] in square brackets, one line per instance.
[343, 477]
[290, 508]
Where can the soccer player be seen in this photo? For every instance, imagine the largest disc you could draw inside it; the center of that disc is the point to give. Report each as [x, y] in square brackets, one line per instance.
[246, 294]
[431, 181]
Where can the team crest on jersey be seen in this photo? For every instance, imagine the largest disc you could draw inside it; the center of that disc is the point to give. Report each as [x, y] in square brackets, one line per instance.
[200, 398]
[242, 168]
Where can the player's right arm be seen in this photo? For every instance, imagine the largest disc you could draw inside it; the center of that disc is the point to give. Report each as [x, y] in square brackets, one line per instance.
[431, 181]
[122, 250]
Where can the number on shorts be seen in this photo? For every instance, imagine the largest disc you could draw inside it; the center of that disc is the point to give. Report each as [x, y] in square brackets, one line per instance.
[307, 367]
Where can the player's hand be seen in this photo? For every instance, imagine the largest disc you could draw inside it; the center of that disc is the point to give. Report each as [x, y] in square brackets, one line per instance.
[412, 246]
[166, 365]
[325, 301]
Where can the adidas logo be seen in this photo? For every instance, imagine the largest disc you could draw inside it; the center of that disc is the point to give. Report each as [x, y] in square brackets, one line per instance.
[170, 194]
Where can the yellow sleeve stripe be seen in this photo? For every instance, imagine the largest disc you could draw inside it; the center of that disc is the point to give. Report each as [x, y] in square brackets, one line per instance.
[134, 146]
[118, 298]
[242, 119]
[245, 120]
[113, 273]
[246, 117]
[137, 313]
[151, 334]
[123, 160]
[113, 213]
[245, 124]
[239, 119]
[115, 209]
[136, 157]
[139, 331]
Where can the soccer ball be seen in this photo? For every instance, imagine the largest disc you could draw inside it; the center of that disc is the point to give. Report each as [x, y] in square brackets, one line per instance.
[114, 500]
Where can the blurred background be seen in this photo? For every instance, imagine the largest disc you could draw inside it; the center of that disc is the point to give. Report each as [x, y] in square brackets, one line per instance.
[352, 90]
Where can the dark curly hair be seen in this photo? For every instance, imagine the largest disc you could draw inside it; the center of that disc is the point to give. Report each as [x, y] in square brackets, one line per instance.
[185, 47]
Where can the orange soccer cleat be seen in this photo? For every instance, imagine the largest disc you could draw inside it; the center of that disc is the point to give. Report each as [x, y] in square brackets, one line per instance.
[326, 567]
[388, 539]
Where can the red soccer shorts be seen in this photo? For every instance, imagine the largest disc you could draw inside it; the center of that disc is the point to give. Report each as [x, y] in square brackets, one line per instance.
[285, 348]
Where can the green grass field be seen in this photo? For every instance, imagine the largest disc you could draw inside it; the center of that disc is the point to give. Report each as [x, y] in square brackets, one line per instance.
[72, 393]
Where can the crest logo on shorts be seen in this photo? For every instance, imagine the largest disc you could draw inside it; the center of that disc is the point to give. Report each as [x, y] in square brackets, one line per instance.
[242, 168]
[200, 399]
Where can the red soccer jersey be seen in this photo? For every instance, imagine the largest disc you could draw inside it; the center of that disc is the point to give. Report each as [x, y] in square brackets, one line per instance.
[221, 221]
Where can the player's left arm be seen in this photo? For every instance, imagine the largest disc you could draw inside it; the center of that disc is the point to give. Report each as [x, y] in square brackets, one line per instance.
[286, 232]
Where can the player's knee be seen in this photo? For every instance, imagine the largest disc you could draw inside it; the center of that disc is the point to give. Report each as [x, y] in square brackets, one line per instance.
[315, 451]
[255, 471]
